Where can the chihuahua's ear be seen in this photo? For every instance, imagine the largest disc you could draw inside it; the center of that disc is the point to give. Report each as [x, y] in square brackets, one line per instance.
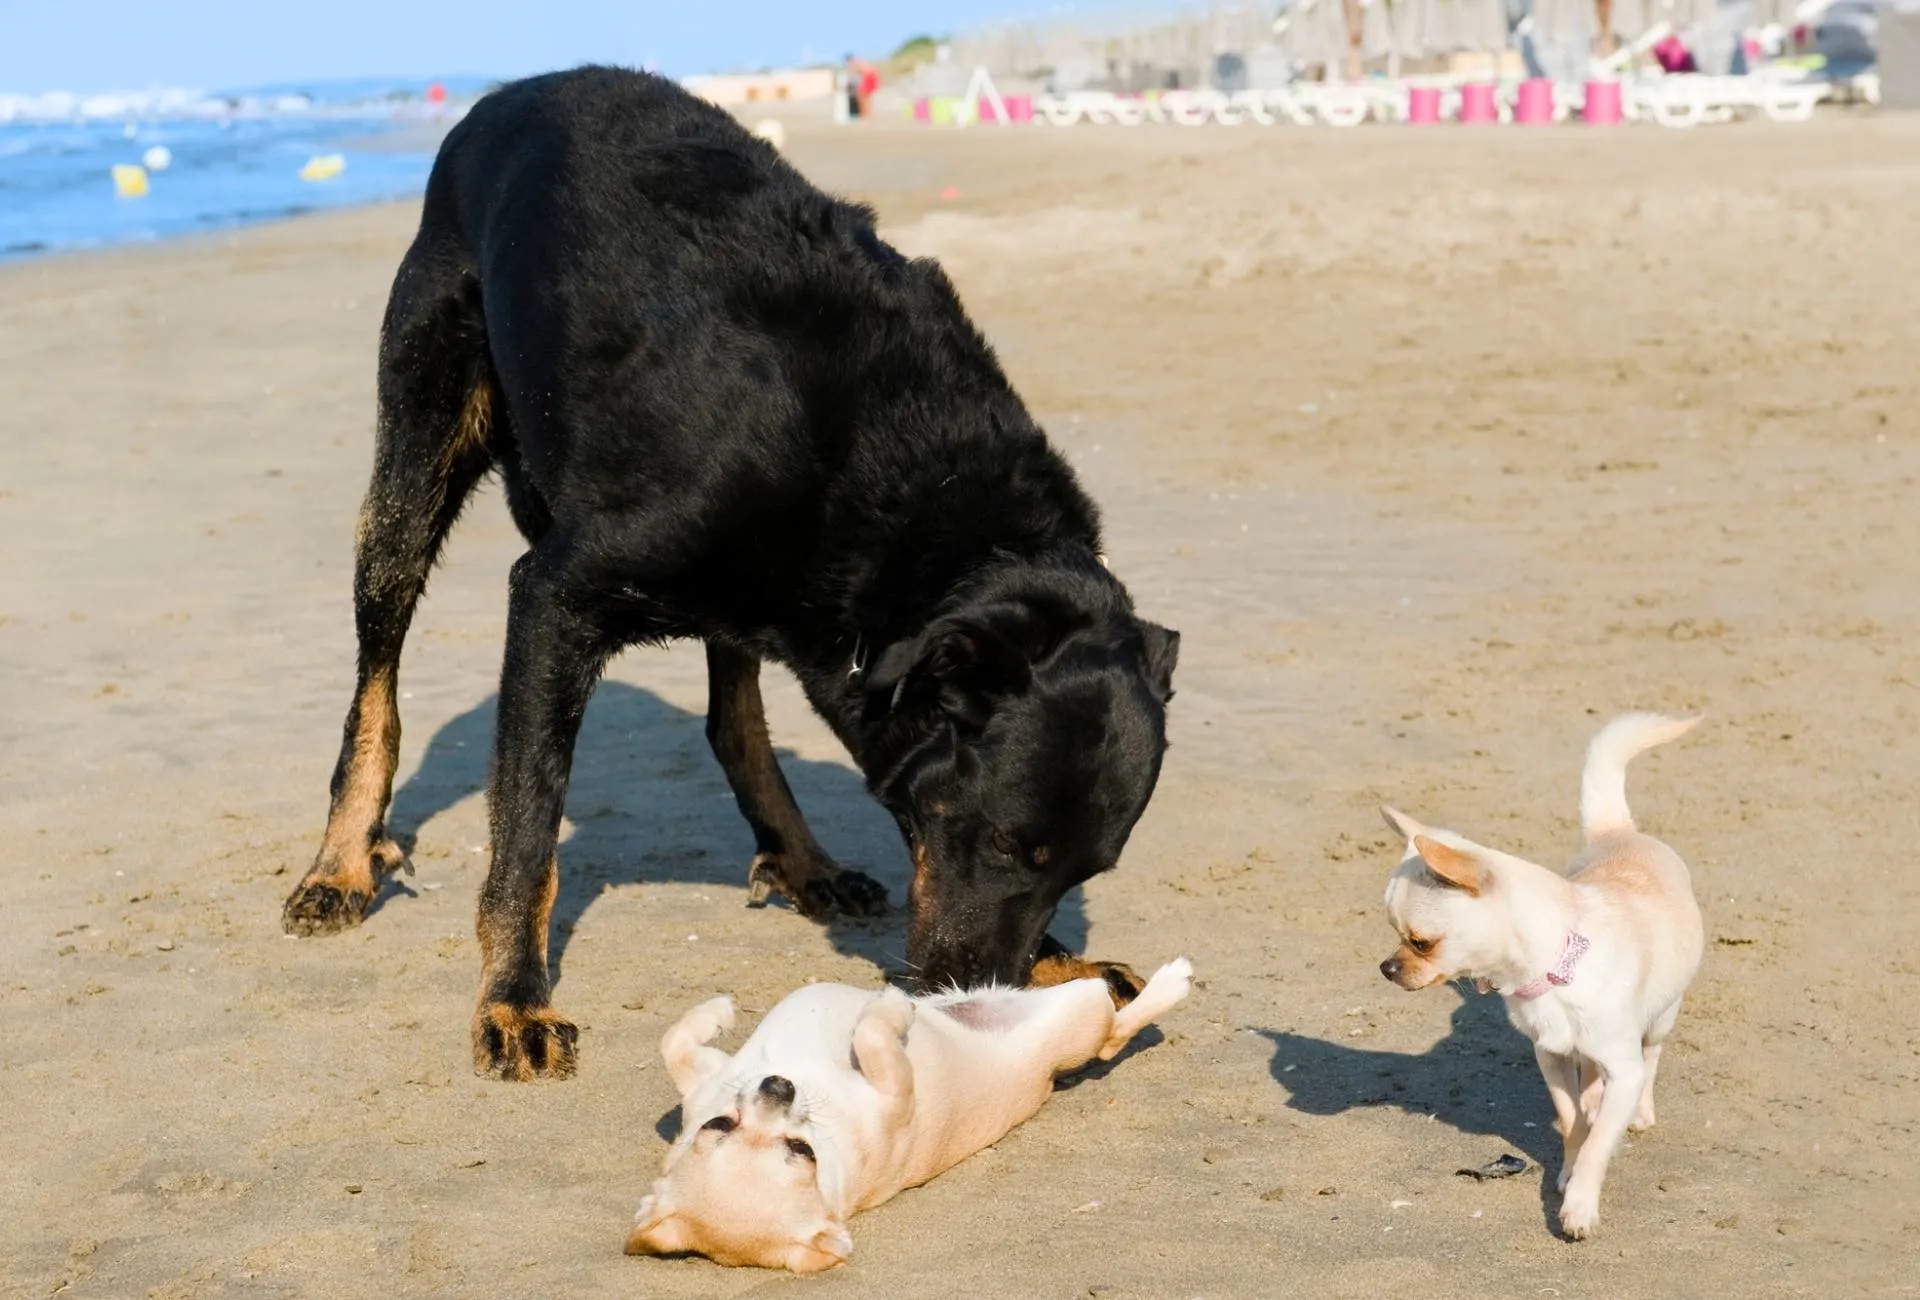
[655, 1229]
[690, 1062]
[828, 1248]
[1401, 824]
[1459, 869]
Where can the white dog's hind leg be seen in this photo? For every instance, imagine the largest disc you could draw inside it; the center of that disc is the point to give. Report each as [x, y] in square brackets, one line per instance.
[1166, 990]
[1650, 1054]
[690, 1062]
[880, 1047]
[1643, 1113]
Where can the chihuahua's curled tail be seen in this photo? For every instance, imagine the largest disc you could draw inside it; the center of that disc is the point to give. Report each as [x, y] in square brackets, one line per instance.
[1603, 783]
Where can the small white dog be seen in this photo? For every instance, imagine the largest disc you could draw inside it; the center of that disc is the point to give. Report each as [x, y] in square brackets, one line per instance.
[1592, 963]
[844, 1097]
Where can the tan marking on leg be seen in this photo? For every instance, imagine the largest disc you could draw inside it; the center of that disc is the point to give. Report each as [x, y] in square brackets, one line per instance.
[1064, 968]
[513, 1026]
[470, 434]
[361, 804]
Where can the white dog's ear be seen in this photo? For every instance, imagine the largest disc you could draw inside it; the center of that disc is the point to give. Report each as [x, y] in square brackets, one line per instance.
[1401, 824]
[655, 1229]
[828, 1248]
[690, 1062]
[1455, 866]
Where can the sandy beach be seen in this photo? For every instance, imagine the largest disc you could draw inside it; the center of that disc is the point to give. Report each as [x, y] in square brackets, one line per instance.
[1437, 448]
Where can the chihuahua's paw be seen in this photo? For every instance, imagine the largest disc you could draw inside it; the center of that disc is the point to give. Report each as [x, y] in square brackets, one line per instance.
[1642, 1116]
[1566, 1174]
[709, 1020]
[892, 1010]
[1579, 1214]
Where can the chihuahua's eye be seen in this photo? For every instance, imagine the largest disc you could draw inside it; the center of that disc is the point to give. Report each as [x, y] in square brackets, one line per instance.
[720, 1124]
[1006, 844]
[1421, 946]
[801, 1148]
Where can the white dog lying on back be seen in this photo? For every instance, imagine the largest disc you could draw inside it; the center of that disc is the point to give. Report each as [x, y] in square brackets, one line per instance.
[1592, 963]
[844, 1097]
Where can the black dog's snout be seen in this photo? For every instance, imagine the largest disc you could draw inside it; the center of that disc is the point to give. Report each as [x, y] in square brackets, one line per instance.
[776, 1090]
[1390, 968]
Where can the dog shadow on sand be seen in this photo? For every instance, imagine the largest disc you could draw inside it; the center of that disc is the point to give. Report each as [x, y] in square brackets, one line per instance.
[1480, 1080]
[648, 803]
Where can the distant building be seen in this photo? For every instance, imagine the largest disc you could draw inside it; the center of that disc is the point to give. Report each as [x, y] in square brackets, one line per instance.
[732, 89]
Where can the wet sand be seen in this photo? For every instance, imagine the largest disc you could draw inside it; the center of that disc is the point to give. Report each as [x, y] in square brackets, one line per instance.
[1437, 449]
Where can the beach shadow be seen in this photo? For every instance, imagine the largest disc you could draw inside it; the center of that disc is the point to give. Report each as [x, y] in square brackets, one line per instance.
[1480, 1079]
[648, 802]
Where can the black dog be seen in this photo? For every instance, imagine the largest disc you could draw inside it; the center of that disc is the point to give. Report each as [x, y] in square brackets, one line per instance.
[722, 408]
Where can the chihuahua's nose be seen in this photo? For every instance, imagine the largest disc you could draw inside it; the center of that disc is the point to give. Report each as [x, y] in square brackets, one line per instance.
[1390, 968]
[776, 1090]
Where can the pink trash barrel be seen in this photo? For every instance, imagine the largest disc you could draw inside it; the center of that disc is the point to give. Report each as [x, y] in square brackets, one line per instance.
[1423, 105]
[1534, 104]
[1019, 108]
[922, 111]
[1477, 106]
[1603, 103]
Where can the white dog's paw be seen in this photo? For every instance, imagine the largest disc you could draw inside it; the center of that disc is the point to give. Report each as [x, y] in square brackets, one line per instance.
[710, 1019]
[893, 1009]
[1579, 1214]
[1642, 1116]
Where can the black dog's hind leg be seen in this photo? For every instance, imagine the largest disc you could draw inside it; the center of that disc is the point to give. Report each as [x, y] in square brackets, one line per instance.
[437, 402]
[556, 647]
[787, 857]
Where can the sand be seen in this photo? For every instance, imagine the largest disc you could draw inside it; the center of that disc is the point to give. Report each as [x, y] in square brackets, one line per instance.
[1438, 448]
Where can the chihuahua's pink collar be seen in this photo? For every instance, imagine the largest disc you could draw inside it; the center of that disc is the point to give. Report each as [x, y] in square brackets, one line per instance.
[1562, 972]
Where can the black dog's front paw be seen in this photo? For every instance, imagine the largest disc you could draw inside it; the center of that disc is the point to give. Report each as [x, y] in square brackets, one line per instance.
[522, 1043]
[817, 888]
[335, 895]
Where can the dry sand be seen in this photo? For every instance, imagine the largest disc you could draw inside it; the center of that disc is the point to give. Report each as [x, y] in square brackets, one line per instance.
[1437, 447]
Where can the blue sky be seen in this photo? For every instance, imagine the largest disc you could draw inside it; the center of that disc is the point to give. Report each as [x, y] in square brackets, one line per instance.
[96, 45]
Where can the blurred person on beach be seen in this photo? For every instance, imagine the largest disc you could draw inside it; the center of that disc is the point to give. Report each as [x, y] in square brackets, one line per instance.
[861, 80]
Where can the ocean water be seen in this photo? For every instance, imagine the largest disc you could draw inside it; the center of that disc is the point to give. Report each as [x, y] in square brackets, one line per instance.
[236, 157]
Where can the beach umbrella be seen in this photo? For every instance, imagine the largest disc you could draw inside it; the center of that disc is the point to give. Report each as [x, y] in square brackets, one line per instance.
[1316, 33]
[1683, 13]
[1628, 20]
[1474, 26]
[1398, 29]
[1563, 22]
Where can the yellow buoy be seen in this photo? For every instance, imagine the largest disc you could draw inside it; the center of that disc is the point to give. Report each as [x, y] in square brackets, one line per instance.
[323, 167]
[129, 180]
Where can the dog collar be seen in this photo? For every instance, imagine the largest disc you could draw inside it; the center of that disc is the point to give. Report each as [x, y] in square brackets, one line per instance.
[1561, 973]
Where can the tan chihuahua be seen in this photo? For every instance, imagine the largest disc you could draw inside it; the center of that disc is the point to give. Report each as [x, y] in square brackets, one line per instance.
[844, 1097]
[1592, 963]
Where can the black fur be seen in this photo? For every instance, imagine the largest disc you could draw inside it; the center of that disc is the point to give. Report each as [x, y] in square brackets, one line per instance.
[724, 409]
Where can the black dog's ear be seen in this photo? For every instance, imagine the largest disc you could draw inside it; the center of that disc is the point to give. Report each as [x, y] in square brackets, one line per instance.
[1161, 653]
[964, 659]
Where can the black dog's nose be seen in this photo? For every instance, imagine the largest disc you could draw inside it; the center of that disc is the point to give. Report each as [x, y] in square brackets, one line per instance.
[777, 1090]
[1390, 967]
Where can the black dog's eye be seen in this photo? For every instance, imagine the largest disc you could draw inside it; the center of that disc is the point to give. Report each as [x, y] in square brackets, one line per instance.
[1006, 844]
[721, 1124]
[800, 1148]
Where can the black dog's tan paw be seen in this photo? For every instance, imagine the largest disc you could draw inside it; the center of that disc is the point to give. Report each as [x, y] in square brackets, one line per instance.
[334, 896]
[1060, 968]
[817, 889]
[522, 1043]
